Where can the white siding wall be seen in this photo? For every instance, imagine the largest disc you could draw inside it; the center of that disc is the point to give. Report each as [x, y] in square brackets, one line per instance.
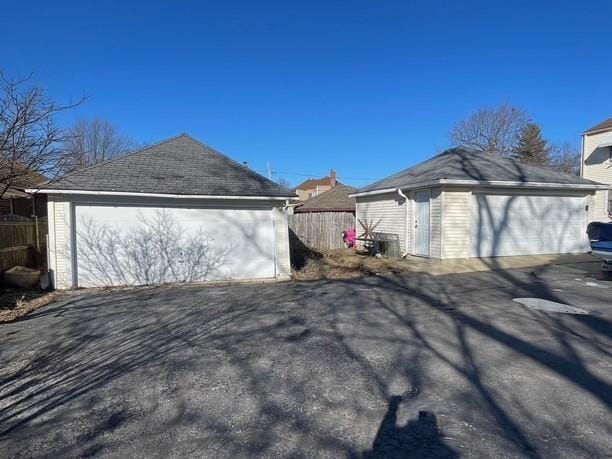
[456, 213]
[456, 223]
[600, 206]
[281, 229]
[596, 165]
[435, 247]
[389, 208]
[60, 233]
[60, 264]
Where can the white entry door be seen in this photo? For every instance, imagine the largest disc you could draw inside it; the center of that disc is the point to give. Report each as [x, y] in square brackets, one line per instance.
[135, 245]
[421, 222]
[513, 224]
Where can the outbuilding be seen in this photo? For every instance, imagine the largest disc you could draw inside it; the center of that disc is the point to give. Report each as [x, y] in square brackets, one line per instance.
[177, 211]
[464, 203]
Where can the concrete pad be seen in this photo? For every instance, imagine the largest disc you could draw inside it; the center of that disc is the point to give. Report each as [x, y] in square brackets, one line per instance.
[437, 267]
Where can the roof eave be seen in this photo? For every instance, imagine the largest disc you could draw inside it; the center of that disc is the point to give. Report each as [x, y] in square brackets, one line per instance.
[159, 195]
[488, 183]
[597, 131]
[301, 210]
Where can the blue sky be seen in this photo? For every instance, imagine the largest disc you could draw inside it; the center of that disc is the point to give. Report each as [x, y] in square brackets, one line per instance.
[367, 88]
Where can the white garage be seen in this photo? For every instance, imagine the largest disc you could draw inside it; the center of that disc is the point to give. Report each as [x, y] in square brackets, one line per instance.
[174, 212]
[511, 224]
[122, 245]
[464, 203]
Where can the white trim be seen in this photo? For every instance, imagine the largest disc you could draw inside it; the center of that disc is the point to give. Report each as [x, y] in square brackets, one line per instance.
[406, 202]
[160, 195]
[583, 139]
[73, 246]
[442, 211]
[374, 192]
[490, 183]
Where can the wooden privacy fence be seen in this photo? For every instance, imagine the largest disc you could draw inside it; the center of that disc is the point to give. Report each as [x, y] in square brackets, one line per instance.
[321, 230]
[23, 244]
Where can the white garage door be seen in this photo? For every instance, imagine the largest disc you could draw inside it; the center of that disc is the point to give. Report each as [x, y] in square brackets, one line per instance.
[122, 245]
[527, 225]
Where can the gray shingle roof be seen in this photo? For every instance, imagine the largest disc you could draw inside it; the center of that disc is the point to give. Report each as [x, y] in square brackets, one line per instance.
[463, 164]
[180, 165]
[336, 199]
[607, 124]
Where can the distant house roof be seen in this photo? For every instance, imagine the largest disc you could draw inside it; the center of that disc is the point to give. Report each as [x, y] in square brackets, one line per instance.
[21, 179]
[179, 166]
[459, 164]
[335, 200]
[313, 183]
[604, 125]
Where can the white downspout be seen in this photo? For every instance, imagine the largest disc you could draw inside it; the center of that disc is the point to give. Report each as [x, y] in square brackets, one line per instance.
[401, 194]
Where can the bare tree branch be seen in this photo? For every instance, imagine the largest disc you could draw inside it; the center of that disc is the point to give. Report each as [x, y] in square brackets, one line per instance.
[492, 129]
[565, 158]
[30, 140]
[90, 142]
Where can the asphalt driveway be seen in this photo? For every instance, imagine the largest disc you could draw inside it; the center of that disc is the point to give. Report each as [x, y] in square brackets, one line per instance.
[411, 365]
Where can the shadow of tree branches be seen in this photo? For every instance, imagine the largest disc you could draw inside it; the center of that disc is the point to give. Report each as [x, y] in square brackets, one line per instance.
[336, 368]
[159, 250]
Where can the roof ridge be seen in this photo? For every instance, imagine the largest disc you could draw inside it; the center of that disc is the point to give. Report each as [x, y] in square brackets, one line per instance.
[232, 161]
[405, 170]
[460, 163]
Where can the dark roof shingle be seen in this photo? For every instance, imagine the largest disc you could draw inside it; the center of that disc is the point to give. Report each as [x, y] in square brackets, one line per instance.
[337, 199]
[463, 164]
[180, 165]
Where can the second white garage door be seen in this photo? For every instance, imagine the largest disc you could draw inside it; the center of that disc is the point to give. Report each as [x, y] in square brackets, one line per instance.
[503, 225]
[123, 245]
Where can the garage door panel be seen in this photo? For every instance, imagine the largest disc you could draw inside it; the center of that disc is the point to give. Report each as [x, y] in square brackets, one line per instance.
[527, 225]
[149, 245]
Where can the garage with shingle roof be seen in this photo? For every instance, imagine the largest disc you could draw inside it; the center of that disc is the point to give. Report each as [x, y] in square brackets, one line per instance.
[177, 211]
[464, 203]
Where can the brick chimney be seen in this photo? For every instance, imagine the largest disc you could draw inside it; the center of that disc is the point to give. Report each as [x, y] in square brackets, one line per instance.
[332, 178]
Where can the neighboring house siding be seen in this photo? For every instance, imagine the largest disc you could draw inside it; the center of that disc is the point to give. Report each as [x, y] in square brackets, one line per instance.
[283, 260]
[600, 206]
[596, 164]
[435, 247]
[456, 212]
[307, 193]
[59, 242]
[390, 209]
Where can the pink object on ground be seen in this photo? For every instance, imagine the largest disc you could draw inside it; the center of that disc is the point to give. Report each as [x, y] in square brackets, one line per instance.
[349, 237]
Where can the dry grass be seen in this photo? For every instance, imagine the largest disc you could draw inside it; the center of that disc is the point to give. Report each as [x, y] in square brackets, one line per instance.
[23, 303]
[346, 264]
